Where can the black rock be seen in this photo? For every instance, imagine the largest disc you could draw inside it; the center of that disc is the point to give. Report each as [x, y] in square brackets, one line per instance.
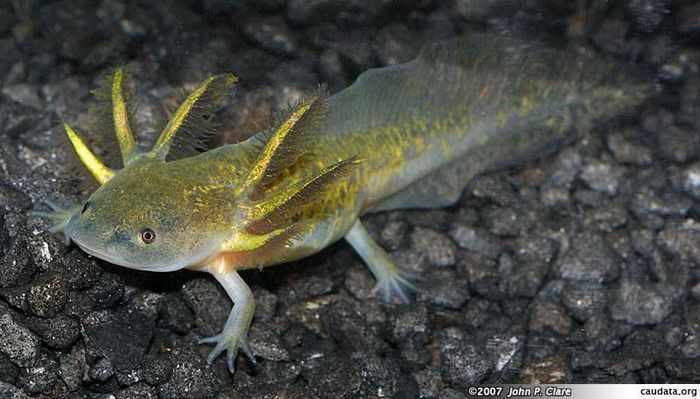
[11, 392]
[394, 45]
[511, 221]
[57, 332]
[8, 371]
[522, 276]
[48, 294]
[626, 151]
[17, 342]
[583, 300]
[209, 303]
[463, 363]
[430, 382]
[191, 378]
[688, 22]
[270, 34]
[438, 249]
[330, 70]
[157, 370]
[73, 367]
[550, 316]
[601, 177]
[565, 168]
[82, 273]
[392, 234]
[337, 375]
[16, 266]
[304, 12]
[482, 275]
[648, 14]
[41, 377]
[612, 36]
[344, 322]
[682, 241]
[550, 369]
[606, 218]
[476, 240]
[267, 345]
[175, 315]
[119, 336]
[691, 180]
[646, 201]
[589, 258]
[137, 391]
[107, 291]
[445, 288]
[101, 370]
[639, 304]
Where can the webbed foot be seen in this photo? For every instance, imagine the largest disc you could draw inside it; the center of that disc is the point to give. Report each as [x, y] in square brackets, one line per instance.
[59, 216]
[391, 280]
[235, 333]
[395, 282]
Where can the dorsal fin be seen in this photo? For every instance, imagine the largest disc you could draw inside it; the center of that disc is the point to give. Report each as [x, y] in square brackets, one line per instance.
[288, 142]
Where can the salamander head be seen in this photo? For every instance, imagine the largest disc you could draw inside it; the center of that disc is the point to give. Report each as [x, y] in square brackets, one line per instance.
[152, 214]
[148, 224]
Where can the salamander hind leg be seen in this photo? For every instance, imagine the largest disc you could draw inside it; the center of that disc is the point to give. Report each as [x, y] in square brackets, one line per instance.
[391, 280]
[234, 336]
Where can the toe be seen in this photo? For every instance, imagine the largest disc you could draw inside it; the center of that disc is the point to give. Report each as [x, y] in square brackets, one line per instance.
[209, 340]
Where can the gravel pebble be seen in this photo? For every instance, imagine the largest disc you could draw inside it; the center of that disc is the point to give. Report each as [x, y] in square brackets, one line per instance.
[626, 151]
[57, 332]
[9, 391]
[682, 241]
[439, 250]
[270, 34]
[584, 300]
[691, 180]
[101, 371]
[73, 367]
[640, 304]
[122, 337]
[445, 288]
[550, 370]
[463, 363]
[590, 258]
[17, 342]
[476, 240]
[191, 378]
[550, 316]
[601, 177]
[48, 294]
[40, 377]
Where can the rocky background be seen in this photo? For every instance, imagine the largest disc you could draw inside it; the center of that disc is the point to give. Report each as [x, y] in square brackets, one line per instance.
[581, 267]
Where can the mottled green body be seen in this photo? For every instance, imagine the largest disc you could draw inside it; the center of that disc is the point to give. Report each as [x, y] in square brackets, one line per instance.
[408, 136]
[423, 129]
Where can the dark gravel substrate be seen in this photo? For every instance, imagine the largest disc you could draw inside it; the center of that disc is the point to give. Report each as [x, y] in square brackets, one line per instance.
[582, 267]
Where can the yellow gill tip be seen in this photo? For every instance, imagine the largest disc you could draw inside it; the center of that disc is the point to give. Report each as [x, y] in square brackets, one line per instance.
[99, 170]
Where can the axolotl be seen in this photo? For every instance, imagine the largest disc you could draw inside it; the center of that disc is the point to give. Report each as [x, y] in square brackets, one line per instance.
[404, 136]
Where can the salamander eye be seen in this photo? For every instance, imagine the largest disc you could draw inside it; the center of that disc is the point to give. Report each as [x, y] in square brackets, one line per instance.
[148, 236]
[85, 207]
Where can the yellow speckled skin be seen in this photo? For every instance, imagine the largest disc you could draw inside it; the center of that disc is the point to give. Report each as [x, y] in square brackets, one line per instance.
[407, 136]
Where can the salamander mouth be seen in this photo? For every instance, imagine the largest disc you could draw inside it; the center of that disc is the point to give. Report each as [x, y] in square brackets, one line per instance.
[102, 255]
[200, 257]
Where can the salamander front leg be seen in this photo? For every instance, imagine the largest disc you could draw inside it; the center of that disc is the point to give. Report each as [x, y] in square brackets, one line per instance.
[391, 280]
[59, 216]
[235, 333]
